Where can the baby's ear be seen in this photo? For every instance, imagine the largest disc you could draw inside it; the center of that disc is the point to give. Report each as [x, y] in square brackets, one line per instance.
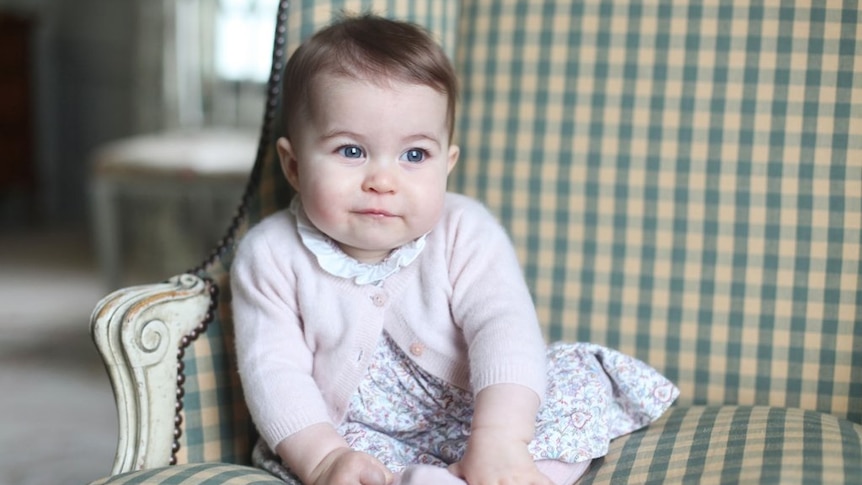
[454, 152]
[289, 164]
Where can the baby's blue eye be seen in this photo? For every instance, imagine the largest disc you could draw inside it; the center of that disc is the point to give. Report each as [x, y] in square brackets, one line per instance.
[414, 155]
[351, 151]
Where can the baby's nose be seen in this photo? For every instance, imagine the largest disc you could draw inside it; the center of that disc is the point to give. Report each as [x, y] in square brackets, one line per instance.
[381, 178]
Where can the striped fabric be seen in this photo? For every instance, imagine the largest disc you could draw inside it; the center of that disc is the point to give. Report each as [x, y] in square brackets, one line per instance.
[735, 444]
[195, 474]
[688, 445]
[683, 181]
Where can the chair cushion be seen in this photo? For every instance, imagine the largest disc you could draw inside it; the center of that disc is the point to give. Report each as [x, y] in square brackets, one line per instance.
[735, 444]
[195, 473]
[726, 444]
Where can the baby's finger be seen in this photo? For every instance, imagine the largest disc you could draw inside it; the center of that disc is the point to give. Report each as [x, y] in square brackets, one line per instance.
[372, 476]
[375, 474]
[455, 469]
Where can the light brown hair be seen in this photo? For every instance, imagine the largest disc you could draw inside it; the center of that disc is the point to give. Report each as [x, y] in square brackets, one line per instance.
[367, 47]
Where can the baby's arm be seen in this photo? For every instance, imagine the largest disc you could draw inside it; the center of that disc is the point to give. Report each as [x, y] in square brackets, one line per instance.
[503, 425]
[492, 304]
[275, 366]
[318, 455]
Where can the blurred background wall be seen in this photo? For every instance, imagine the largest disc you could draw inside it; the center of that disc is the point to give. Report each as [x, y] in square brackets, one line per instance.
[81, 94]
[101, 70]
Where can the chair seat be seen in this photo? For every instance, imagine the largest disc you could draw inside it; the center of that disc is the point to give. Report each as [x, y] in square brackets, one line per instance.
[736, 444]
[698, 444]
[195, 473]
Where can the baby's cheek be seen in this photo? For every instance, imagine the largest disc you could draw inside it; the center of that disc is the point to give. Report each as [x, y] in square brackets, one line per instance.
[319, 212]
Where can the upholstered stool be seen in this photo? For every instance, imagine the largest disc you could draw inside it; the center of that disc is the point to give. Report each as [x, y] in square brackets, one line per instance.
[201, 172]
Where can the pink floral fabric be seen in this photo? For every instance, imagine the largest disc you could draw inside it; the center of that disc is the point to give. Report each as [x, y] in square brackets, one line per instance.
[403, 415]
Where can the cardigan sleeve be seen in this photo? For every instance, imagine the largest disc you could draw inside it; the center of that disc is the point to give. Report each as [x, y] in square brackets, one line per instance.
[275, 364]
[491, 302]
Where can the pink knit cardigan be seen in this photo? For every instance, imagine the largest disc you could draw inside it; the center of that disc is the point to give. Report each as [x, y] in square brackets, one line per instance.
[304, 337]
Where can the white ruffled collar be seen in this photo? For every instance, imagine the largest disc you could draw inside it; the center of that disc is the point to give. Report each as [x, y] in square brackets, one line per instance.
[336, 262]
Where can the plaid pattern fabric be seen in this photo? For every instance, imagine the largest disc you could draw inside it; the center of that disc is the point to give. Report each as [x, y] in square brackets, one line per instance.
[194, 474]
[727, 444]
[215, 421]
[683, 181]
[735, 444]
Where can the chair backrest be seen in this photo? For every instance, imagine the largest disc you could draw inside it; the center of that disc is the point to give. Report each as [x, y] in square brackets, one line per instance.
[683, 182]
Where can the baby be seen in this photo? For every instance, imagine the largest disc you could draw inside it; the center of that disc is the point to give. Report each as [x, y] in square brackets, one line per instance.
[385, 333]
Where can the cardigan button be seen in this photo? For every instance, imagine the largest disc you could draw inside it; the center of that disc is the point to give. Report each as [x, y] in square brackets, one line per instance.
[417, 349]
[379, 299]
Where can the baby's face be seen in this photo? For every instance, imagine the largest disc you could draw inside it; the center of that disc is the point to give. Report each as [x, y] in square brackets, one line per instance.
[371, 163]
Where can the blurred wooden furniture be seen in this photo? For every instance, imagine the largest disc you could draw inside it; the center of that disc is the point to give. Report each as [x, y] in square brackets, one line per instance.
[201, 170]
[17, 161]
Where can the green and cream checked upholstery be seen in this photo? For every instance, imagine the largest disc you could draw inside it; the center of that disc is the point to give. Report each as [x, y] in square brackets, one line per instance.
[208, 473]
[683, 182]
[697, 444]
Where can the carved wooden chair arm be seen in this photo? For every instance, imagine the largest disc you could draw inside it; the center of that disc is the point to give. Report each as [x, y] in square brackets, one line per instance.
[138, 331]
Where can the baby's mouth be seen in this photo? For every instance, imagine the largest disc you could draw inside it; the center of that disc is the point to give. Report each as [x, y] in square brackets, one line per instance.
[375, 213]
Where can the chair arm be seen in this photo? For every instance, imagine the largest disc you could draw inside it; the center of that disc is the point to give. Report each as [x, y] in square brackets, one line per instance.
[138, 331]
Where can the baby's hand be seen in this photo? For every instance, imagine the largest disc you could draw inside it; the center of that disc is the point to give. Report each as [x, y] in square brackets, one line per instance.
[318, 455]
[503, 425]
[344, 466]
[496, 459]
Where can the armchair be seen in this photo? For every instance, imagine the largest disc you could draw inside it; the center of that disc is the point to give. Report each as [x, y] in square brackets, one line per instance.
[683, 182]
